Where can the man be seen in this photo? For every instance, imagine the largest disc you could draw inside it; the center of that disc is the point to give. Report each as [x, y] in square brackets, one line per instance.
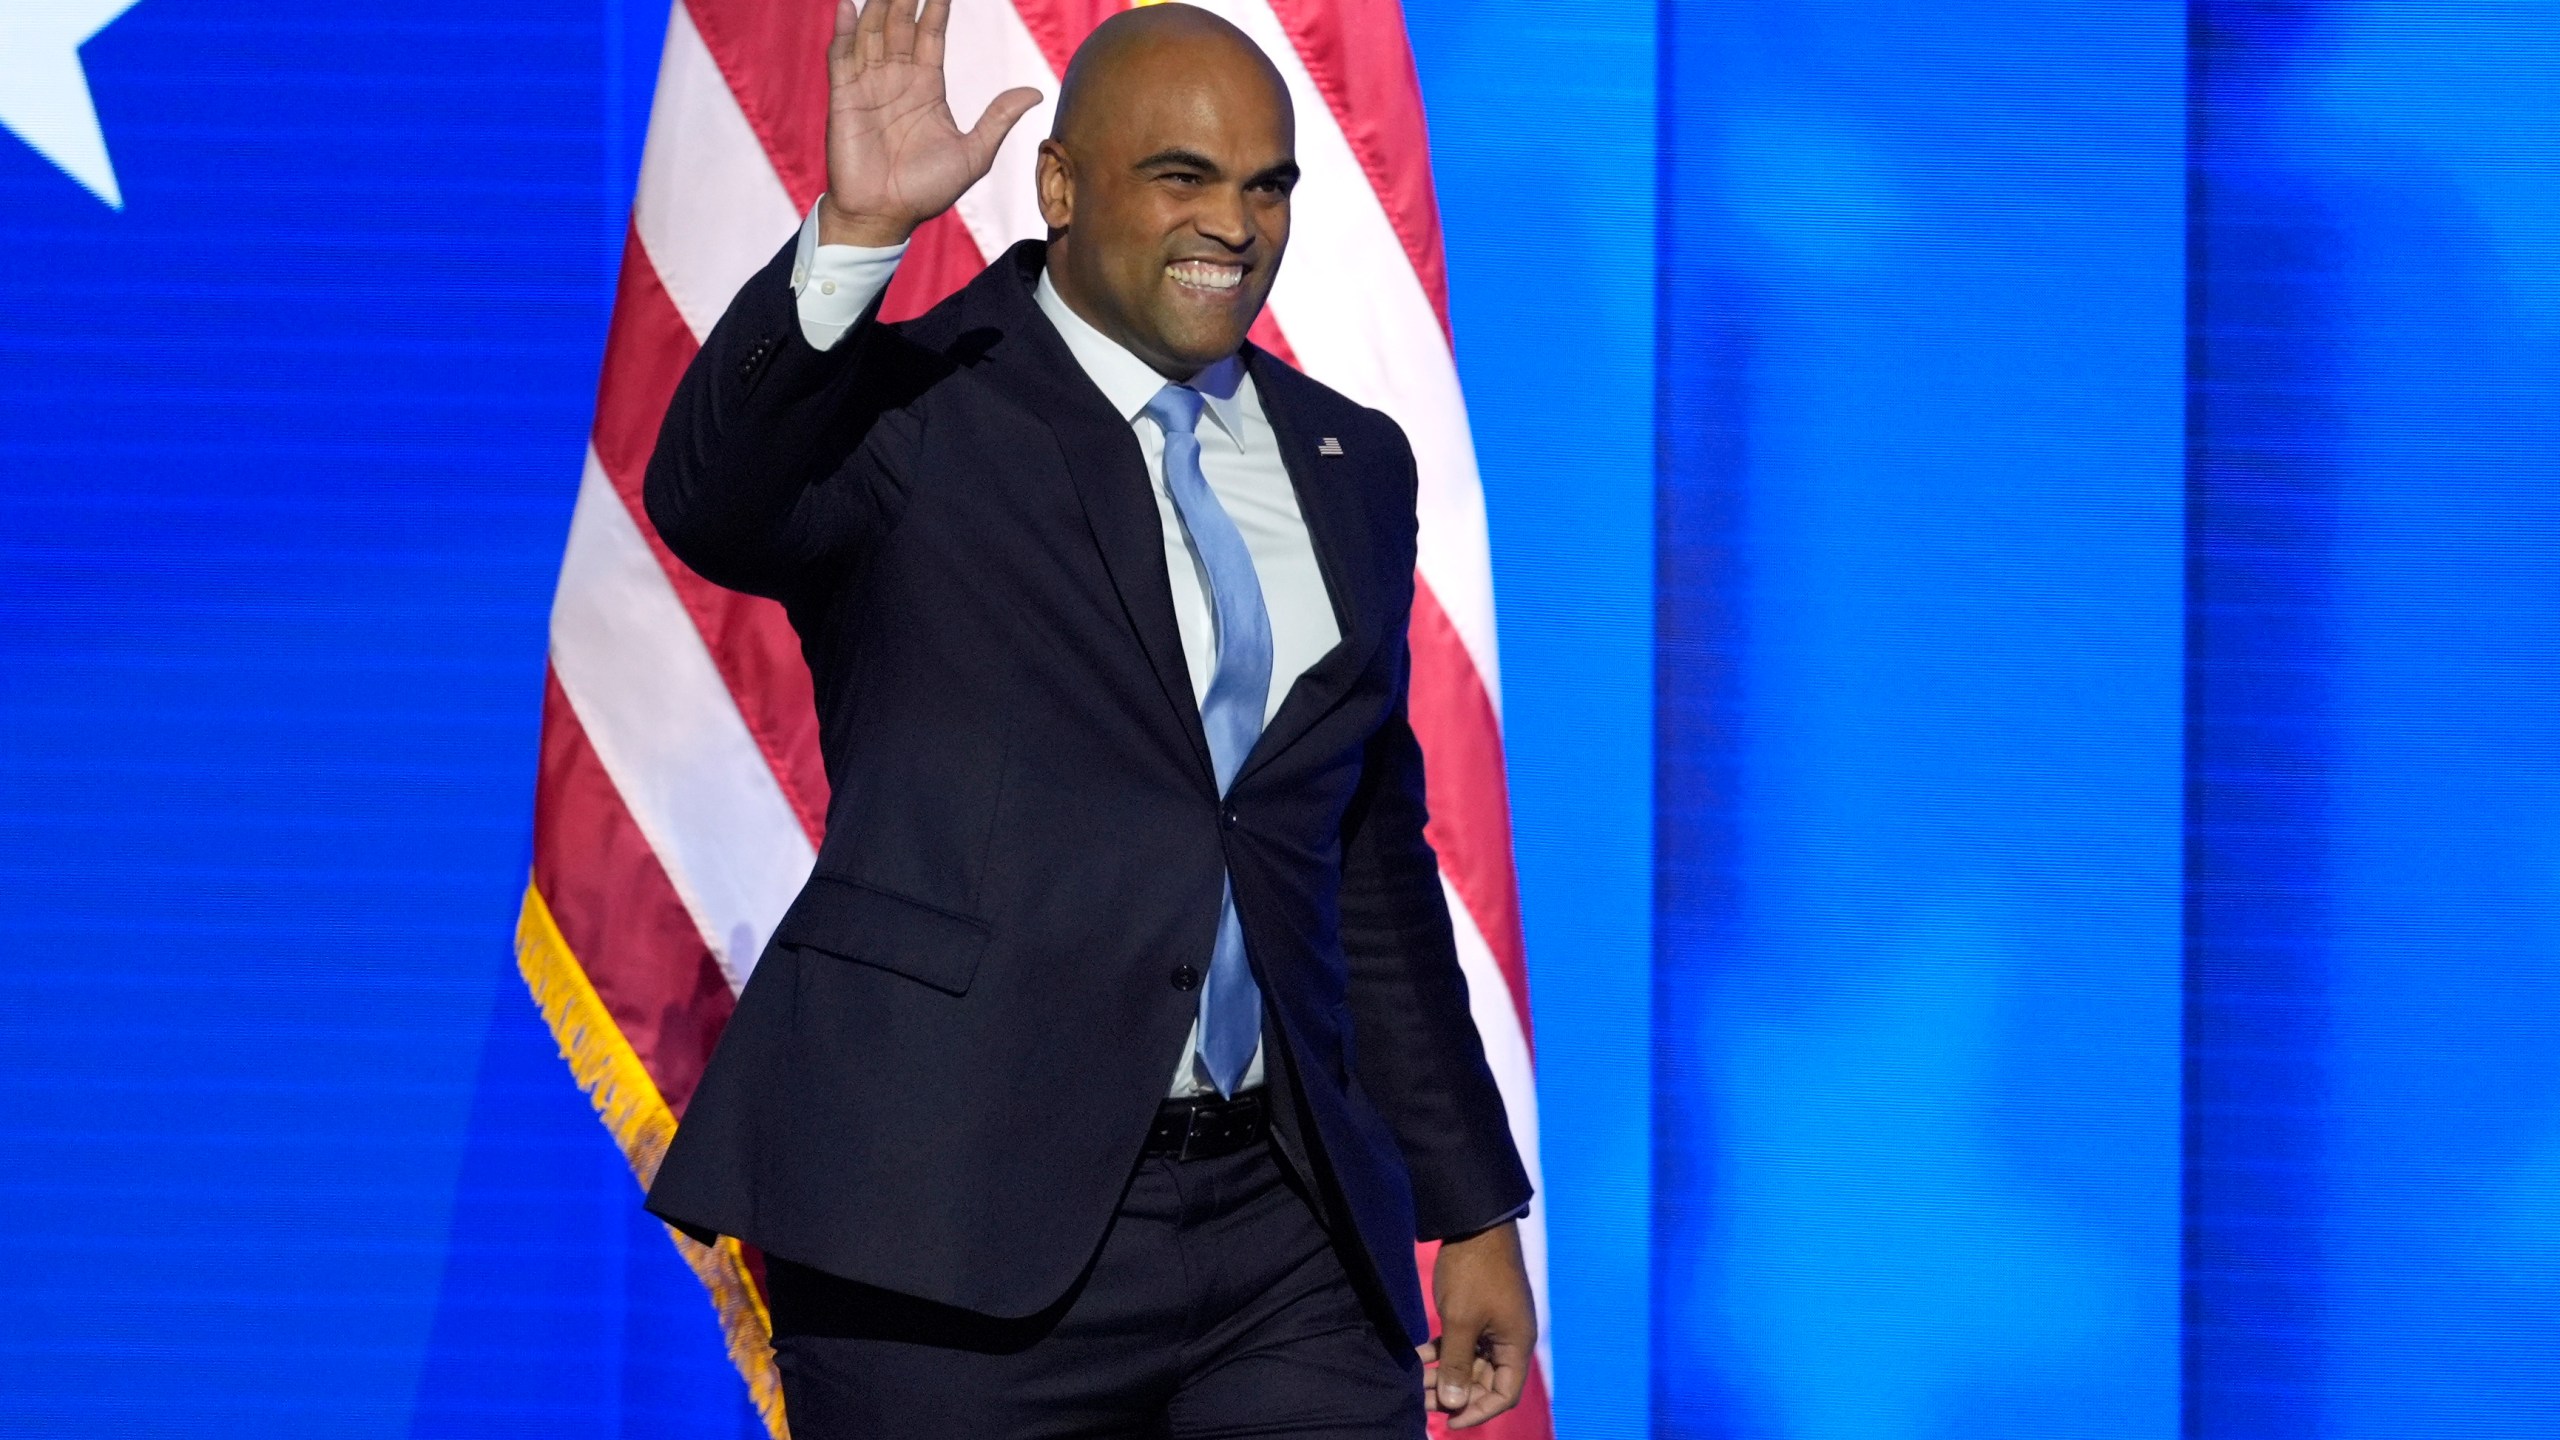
[1103, 1075]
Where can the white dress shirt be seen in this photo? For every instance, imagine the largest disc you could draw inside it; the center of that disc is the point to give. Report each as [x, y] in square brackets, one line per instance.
[1239, 457]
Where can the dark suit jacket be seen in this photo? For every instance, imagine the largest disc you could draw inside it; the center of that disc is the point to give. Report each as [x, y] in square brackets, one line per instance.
[941, 1074]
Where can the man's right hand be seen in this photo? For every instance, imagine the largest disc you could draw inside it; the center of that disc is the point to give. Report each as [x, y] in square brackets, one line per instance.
[895, 157]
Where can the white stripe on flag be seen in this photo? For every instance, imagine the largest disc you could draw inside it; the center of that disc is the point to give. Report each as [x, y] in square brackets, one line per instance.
[669, 733]
[710, 209]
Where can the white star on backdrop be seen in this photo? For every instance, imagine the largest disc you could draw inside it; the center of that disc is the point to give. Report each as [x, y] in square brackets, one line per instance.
[44, 94]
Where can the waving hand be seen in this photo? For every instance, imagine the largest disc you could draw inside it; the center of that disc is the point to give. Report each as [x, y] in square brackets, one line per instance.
[895, 156]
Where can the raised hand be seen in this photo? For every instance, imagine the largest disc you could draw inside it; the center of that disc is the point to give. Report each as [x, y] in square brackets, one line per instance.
[895, 156]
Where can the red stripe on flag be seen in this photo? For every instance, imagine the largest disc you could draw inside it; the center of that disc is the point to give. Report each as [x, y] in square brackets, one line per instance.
[750, 639]
[620, 916]
[1356, 52]
[645, 351]
[1061, 25]
[1470, 797]
[773, 53]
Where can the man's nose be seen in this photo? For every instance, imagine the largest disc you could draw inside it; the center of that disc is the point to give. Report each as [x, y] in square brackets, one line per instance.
[1221, 217]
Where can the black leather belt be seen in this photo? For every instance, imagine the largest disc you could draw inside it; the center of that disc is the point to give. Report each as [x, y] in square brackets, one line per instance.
[1205, 1127]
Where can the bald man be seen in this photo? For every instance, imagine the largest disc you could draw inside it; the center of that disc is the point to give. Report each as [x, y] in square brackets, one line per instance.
[1105, 1072]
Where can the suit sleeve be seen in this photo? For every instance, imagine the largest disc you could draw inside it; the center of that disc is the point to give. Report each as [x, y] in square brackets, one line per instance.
[1414, 1041]
[773, 458]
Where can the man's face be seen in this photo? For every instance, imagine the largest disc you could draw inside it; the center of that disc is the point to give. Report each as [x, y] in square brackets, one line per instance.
[1172, 202]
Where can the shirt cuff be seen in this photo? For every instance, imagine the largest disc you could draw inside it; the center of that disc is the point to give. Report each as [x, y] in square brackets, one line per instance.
[834, 284]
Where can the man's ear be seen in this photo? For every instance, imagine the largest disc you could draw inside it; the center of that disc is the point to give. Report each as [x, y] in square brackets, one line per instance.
[1056, 185]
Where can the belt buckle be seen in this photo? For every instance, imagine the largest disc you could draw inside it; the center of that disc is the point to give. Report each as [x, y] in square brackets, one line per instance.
[1213, 1123]
[1193, 1130]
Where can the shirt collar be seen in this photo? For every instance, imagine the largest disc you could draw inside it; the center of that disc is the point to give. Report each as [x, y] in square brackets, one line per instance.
[1129, 382]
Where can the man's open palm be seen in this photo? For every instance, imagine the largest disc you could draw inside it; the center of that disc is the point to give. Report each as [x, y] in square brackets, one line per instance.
[895, 156]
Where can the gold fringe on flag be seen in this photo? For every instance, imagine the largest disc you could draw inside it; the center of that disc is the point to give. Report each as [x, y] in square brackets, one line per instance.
[628, 1102]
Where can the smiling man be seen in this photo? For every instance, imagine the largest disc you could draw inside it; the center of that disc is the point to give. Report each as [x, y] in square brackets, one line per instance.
[1105, 1072]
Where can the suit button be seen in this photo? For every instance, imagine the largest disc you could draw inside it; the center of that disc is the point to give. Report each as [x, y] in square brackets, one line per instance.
[1185, 978]
[1231, 817]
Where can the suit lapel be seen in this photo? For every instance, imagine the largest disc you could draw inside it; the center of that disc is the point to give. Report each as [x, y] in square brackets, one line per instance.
[1110, 475]
[1336, 512]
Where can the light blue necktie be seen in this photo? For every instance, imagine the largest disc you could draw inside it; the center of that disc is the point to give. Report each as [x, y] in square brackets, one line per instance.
[1230, 1003]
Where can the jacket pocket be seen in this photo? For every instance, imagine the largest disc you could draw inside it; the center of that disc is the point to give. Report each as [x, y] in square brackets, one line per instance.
[855, 922]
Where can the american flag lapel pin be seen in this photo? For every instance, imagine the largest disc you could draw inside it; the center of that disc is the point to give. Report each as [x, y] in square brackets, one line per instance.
[1328, 446]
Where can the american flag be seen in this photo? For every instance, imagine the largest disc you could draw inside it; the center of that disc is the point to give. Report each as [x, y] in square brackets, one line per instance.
[681, 796]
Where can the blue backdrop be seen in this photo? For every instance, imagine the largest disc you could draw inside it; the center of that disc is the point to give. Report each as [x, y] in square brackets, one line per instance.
[2032, 634]
[1918, 684]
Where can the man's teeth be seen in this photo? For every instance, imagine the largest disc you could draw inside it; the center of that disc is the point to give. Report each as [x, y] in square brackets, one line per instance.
[1206, 276]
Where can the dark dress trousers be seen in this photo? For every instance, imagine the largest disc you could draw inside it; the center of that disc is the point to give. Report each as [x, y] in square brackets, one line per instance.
[939, 1079]
[1217, 1309]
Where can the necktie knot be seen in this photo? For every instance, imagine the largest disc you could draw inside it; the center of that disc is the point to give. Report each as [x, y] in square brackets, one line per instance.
[1176, 409]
